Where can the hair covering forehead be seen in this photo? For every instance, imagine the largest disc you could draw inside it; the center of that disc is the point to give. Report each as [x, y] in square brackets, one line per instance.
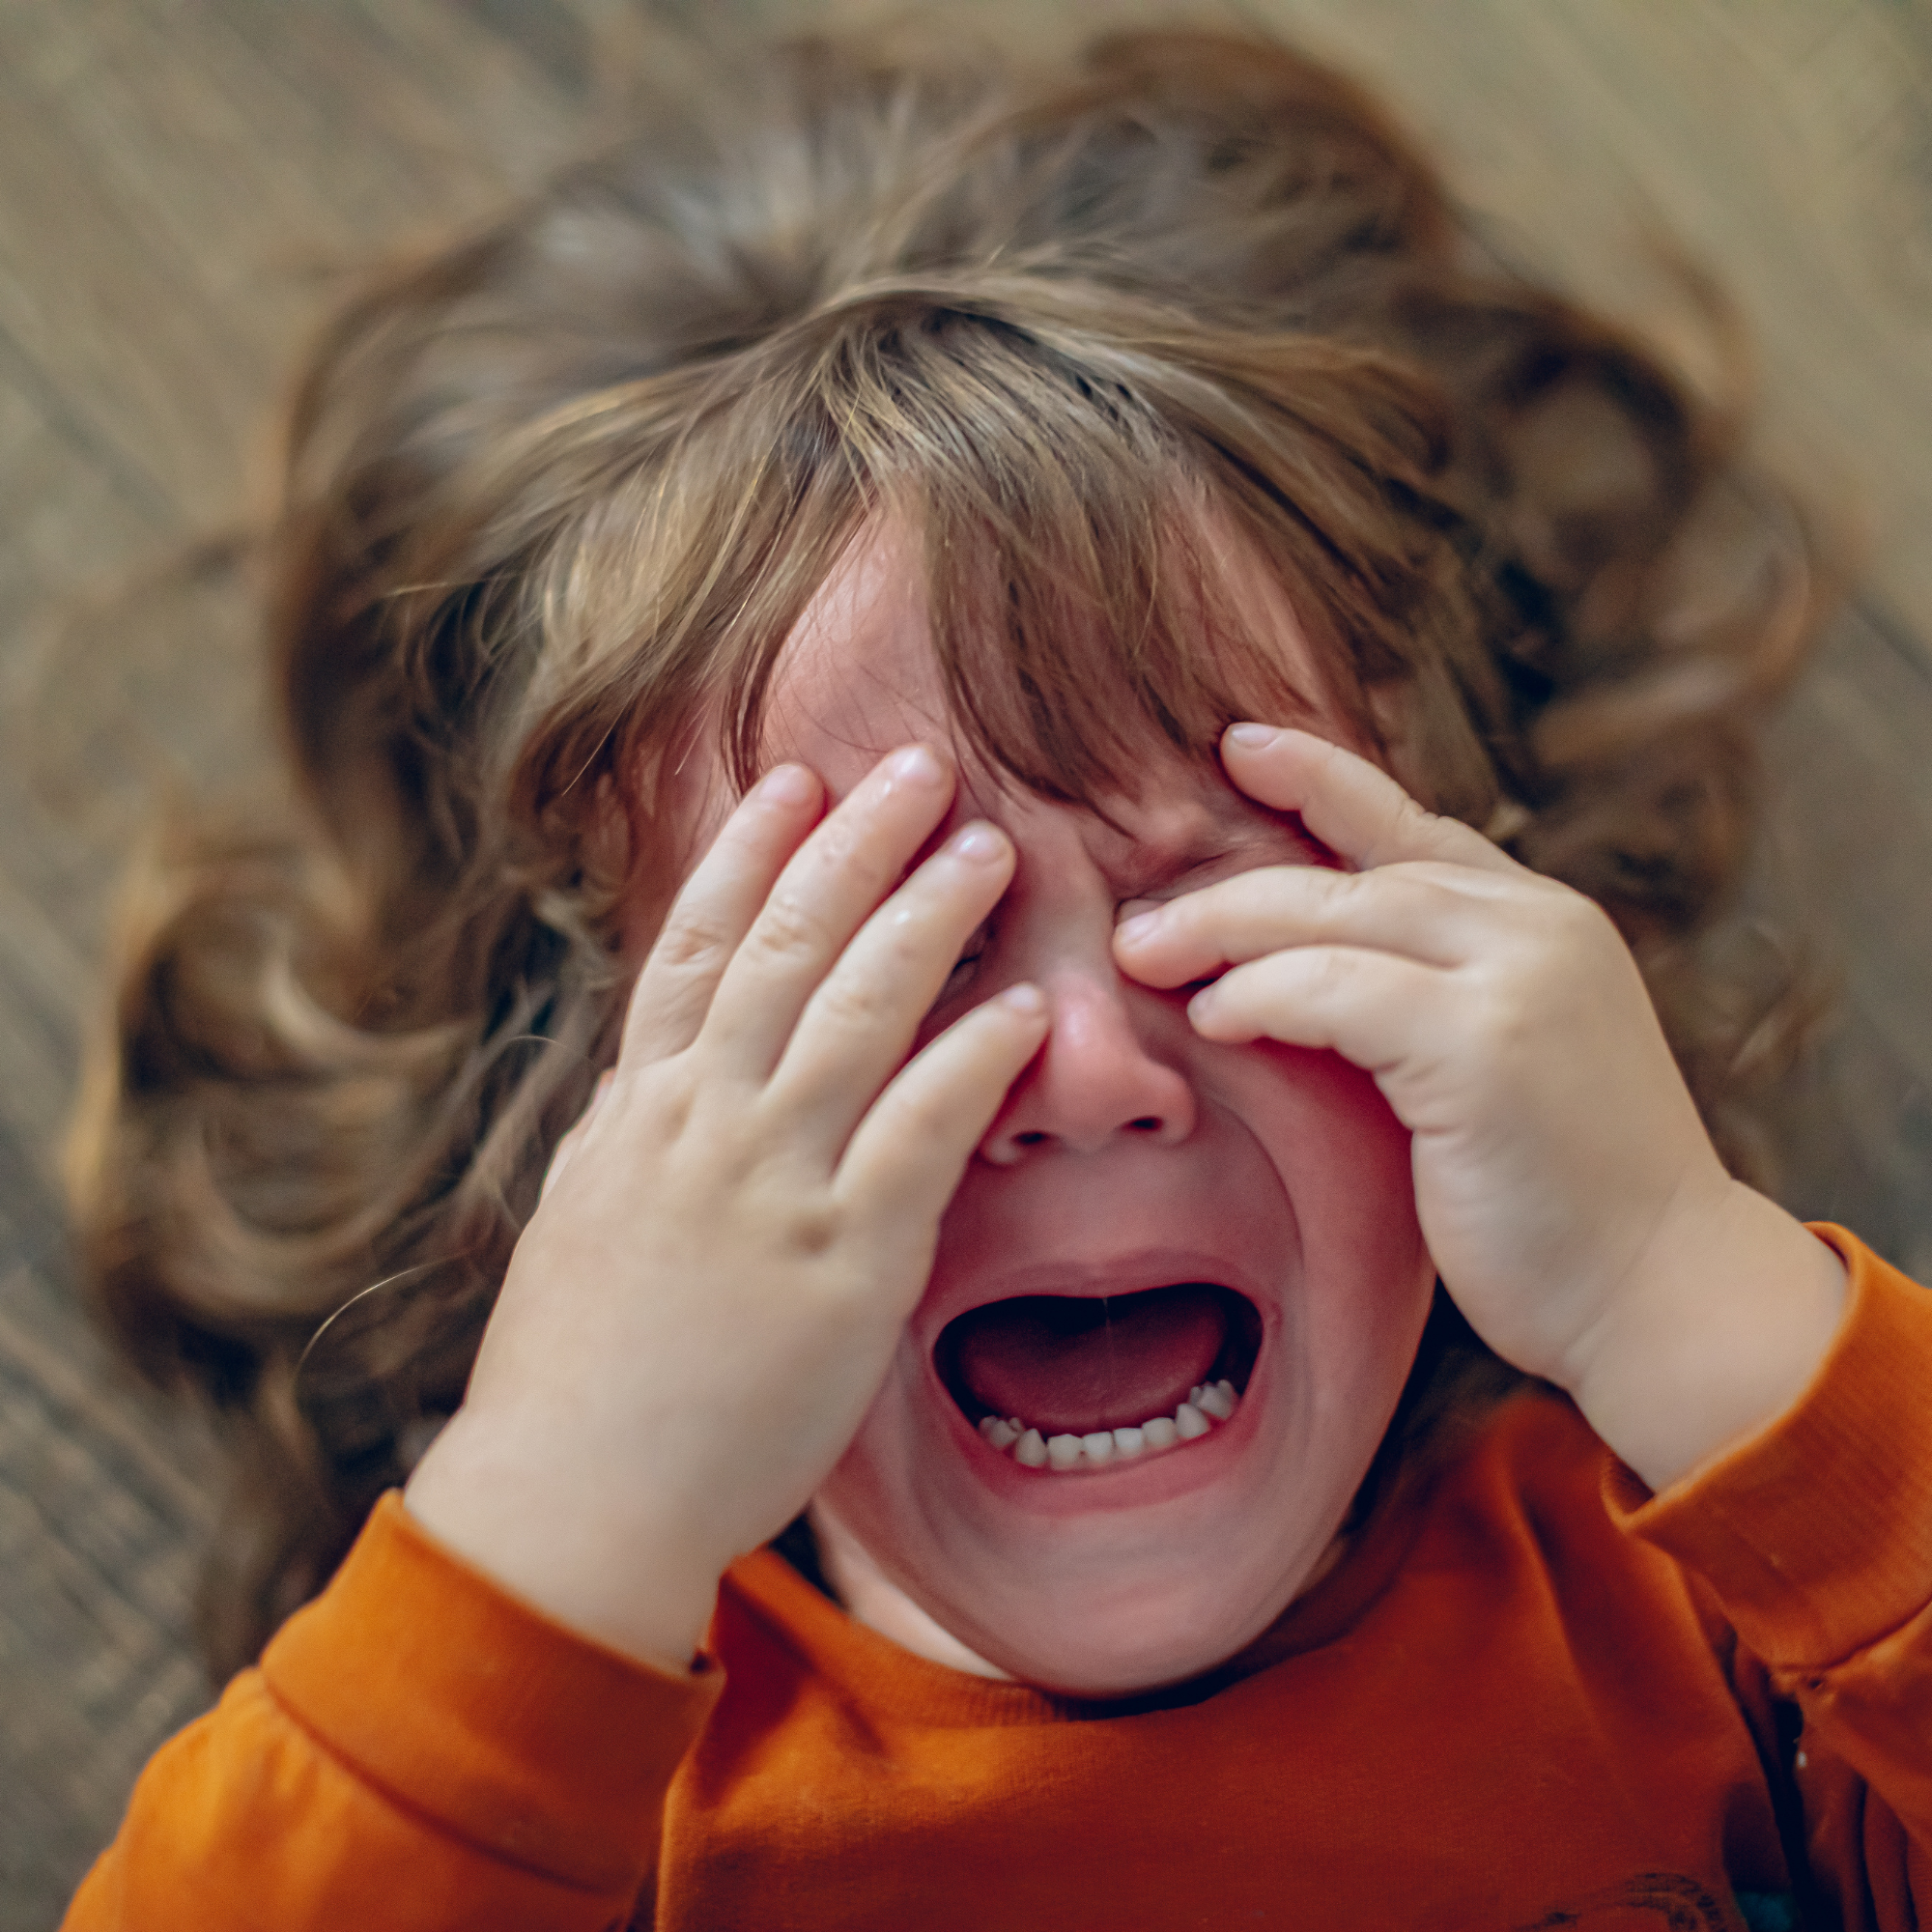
[1091, 569]
[869, 649]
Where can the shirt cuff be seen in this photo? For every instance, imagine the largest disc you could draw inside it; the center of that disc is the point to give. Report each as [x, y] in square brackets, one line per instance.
[436, 1686]
[1816, 1531]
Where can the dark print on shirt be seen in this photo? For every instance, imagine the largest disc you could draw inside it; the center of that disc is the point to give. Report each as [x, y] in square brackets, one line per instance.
[1670, 1902]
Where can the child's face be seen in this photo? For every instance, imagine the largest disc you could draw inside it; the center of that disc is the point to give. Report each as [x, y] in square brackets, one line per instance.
[1266, 1190]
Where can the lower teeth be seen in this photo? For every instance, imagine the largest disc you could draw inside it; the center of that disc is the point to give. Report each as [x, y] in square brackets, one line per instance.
[1205, 1407]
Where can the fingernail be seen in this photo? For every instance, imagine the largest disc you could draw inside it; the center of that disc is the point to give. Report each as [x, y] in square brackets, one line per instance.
[916, 765]
[1024, 998]
[1253, 736]
[1131, 931]
[978, 842]
[788, 784]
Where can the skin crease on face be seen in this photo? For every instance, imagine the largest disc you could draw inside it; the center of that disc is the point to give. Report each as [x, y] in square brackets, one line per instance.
[1130, 1154]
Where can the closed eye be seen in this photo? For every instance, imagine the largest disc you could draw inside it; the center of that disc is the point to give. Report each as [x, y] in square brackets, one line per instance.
[961, 975]
[1290, 844]
[1286, 842]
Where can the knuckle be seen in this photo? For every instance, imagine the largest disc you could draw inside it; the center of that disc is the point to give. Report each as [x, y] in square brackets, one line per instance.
[1418, 826]
[1582, 921]
[842, 853]
[928, 1117]
[674, 1111]
[1428, 891]
[1340, 894]
[785, 930]
[854, 1004]
[1328, 973]
[690, 939]
[904, 1161]
[813, 1227]
[1506, 1025]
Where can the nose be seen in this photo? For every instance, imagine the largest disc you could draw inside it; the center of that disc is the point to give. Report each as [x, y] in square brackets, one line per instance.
[1096, 1078]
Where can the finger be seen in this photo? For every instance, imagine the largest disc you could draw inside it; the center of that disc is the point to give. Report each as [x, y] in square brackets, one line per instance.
[714, 909]
[828, 889]
[1430, 912]
[909, 1154]
[1353, 807]
[860, 1022]
[1371, 1007]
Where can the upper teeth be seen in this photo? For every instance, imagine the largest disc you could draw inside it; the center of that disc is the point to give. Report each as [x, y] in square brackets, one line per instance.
[1206, 1405]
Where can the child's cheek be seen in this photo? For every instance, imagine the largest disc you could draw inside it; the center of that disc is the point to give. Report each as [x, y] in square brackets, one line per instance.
[1343, 1159]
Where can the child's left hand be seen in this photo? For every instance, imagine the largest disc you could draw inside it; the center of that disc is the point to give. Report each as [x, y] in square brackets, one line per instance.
[1572, 1202]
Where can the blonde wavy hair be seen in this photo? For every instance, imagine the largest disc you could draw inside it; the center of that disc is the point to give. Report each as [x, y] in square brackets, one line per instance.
[553, 497]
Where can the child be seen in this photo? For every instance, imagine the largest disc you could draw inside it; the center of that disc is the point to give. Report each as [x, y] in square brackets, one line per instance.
[883, 653]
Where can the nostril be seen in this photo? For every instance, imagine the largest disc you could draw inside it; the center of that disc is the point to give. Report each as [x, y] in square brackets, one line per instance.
[1032, 1137]
[1146, 1124]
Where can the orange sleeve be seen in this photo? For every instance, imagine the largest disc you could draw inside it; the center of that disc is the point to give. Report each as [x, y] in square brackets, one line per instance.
[1816, 1534]
[417, 1748]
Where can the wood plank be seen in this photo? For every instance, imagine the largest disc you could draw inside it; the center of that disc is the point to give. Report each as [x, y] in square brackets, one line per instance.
[1782, 142]
[1845, 868]
[178, 186]
[175, 182]
[103, 1502]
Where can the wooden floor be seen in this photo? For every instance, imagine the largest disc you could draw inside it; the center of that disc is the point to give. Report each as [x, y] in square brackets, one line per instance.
[183, 180]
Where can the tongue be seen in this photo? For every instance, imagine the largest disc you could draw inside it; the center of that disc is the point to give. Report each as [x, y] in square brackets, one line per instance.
[1066, 1365]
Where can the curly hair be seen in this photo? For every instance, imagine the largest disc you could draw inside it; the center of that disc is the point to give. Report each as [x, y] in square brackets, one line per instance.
[553, 497]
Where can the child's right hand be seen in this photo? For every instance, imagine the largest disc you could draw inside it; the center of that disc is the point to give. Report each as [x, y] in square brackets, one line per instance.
[705, 1302]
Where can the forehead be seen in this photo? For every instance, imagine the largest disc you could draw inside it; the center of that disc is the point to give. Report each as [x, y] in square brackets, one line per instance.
[858, 674]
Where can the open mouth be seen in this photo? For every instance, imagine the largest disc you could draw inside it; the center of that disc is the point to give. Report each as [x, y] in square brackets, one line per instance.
[1063, 1383]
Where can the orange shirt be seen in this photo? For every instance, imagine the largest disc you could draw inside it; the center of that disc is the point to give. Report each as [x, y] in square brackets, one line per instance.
[1531, 1696]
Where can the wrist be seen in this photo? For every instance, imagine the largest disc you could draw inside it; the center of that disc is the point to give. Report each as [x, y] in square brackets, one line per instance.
[1717, 1332]
[567, 1543]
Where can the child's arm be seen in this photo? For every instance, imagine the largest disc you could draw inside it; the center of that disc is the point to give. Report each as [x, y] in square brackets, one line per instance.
[1569, 1193]
[416, 1749]
[691, 1326]
[1816, 1536]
